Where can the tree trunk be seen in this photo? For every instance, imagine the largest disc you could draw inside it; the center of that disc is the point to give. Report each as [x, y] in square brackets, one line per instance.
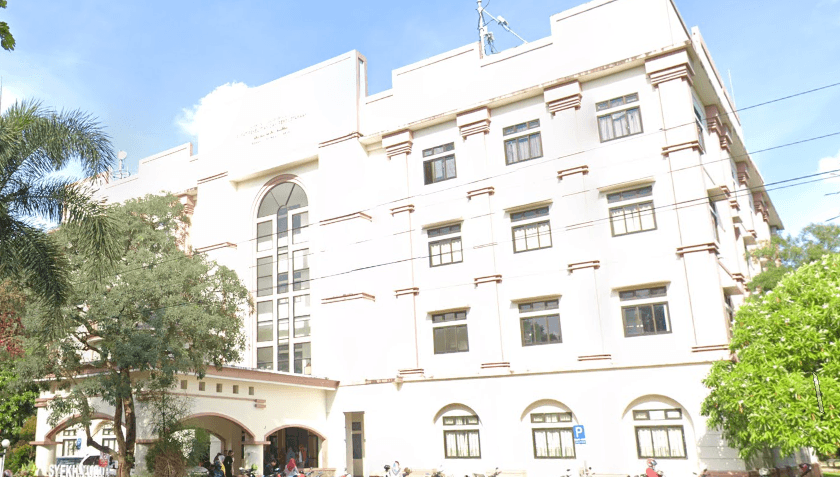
[130, 423]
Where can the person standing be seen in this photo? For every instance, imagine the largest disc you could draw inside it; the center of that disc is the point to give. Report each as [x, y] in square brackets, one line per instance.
[229, 464]
[290, 454]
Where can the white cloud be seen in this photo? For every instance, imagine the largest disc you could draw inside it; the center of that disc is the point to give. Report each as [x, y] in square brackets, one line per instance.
[8, 98]
[197, 118]
[828, 164]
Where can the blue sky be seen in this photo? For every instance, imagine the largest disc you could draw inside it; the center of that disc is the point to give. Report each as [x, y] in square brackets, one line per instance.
[143, 68]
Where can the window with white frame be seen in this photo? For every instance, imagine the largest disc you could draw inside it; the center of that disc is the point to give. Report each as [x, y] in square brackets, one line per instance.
[110, 443]
[634, 214]
[461, 437]
[446, 248]
[661, 439]
[619, 123]
[551, 441]
[525, 146]
[449, 338]
[439, 167]
[540, 322]
[283, 280]
[108, 431]
[535, 231]
[647, 317]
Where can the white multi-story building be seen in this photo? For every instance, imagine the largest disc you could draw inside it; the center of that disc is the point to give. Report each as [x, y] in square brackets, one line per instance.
[460, 269]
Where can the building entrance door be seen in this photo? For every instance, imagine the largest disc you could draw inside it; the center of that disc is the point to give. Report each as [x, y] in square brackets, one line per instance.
[357, 437]
[305, 447]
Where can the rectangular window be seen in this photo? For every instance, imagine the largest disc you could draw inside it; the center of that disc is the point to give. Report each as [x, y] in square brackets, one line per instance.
[460, 420]
[554, 444]
[264, 358]
[440, 169]
[300, 260]
[698, 119]
[68, 447]
[283, 270]
[300, 225]
[282, 320]
[283, 357]
[68, 432]
[620, 124]
[657, 414]
[632, 218]
[109, 431]
[183, 384]
[110, 443]
[235, 389]
[616, 102]
[541, 330]
[549, 417]
[263, 236]
[202, 385]
[250, 390]
[444, 252]
[642, 293]
[264, 266]
[303, 358]
[630, 194]
[451, 339]
[660, 442]
[219, 387]
[265, 321]
[462, 444]
[301, 305]
[531, 236]
[646, 319]
[301, 327]
[450, 316]
[715, 218]
[525, 147]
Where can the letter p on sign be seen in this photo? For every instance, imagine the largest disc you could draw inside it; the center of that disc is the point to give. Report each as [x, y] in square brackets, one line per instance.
[578, 432]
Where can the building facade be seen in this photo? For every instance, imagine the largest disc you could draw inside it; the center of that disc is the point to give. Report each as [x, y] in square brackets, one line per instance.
[463, 268]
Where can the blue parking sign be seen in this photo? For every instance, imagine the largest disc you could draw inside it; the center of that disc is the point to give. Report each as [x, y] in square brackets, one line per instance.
[578, 432]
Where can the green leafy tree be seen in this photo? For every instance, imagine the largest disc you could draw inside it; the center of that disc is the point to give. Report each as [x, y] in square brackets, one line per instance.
[35, 142]
[766, 396]
[783, 254]
[7, 41]
[163, 313]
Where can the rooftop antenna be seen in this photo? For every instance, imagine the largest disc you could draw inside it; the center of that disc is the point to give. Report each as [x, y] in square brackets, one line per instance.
[486, 36]
[122, 172]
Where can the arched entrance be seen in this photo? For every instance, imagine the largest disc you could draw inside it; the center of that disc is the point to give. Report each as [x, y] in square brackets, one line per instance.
[223, 434]
[304, 443]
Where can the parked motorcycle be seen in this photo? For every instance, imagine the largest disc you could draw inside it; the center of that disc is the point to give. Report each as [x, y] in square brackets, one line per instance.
[651, 469]
[395, 470]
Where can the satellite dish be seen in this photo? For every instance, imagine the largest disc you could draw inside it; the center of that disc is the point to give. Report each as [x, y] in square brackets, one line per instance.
[122, 173]
[122, 155]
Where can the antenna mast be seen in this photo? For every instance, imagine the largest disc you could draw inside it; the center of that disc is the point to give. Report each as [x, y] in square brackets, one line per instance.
[485, 36]
[121, 173]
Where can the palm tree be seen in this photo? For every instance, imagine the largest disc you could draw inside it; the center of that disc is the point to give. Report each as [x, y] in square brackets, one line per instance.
[35, 142]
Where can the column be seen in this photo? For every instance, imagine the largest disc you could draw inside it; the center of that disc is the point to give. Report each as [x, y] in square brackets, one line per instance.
[485, 331]
[672, 75]
[404, 354]
[254, 455]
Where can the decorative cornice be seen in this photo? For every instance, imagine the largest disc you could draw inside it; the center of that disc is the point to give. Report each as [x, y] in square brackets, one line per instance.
[407, 291]
[743, 173]
[398, 143]
[476, 121]
[570, 102]
[584, 170]
[596, 264]
[717, 347]
[487, 279]
[595, 357]
[354, 215]
[703, 247]
[479, 127]
[42, 402]
[739, 277]
[681, 147]
[216, 246]
[733, 201]
[347, 137]
[403, 208]
[348, 297]
[252, 442]
[220, 175]
[682, 72]
[489, 190]
[411, 372]
[725, 139]
[259, 403]
[501, 364]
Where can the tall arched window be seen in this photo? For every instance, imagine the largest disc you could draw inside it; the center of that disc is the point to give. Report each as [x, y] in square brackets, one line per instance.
[282, 339]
